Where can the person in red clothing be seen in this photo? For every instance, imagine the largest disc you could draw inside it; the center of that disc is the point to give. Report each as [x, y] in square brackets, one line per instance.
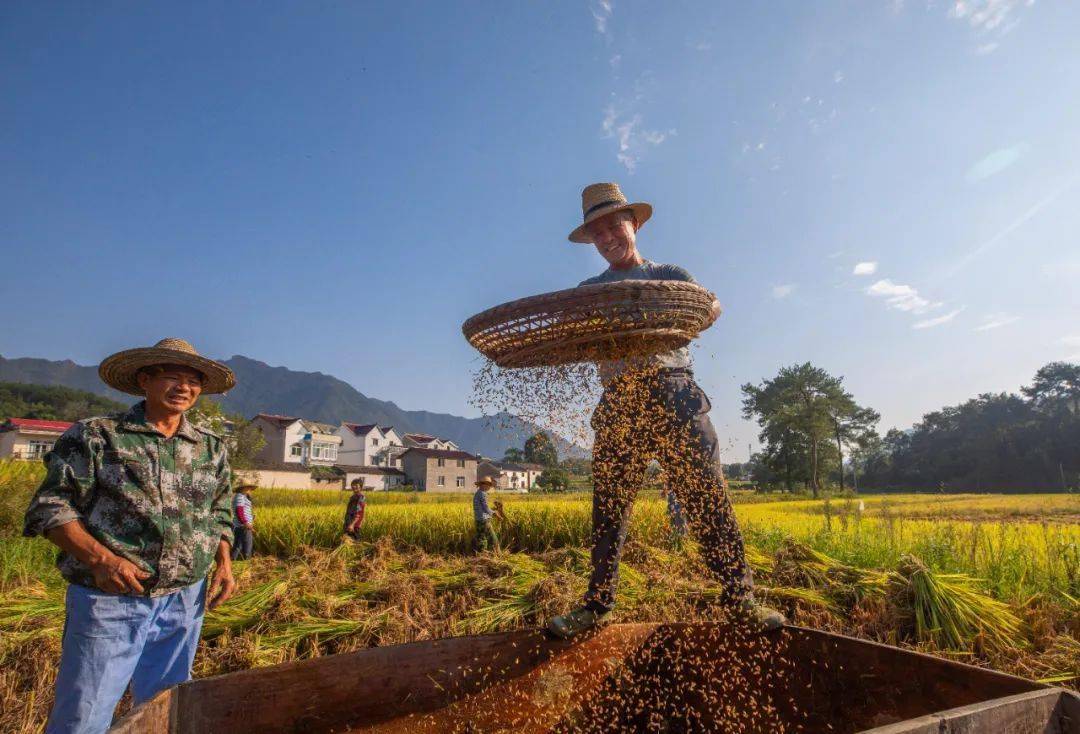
[354, 512]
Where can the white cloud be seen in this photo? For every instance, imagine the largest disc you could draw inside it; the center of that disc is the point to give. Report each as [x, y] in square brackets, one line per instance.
[601, 13]
[838, 76]
[701, 46]
[996, 320]
[996, 162]
[986, 48]
[865, 268]
[938, 321]
[632, 137]
[988, 15]
[901, 297]
[614, 61]
[782, 291]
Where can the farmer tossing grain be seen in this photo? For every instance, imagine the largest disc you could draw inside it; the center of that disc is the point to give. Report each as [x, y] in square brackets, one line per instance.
[651, 408]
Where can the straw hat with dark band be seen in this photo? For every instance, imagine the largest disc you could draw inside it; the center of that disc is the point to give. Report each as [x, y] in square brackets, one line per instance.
[485, 482]
[600, 199]
[121, 370]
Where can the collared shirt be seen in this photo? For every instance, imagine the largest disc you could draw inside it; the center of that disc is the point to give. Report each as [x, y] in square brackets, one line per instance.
[481, 511]
[647, 270]
[243, 510]
[161, 503]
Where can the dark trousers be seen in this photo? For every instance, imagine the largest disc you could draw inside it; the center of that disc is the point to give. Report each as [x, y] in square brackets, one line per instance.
[243, 542]
[486, 539]
[664, 416]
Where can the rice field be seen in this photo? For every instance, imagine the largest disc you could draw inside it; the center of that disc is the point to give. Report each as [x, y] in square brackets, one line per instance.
[989, 579]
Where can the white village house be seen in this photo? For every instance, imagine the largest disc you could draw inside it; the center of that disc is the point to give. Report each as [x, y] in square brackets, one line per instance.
[508, 475]
[292, 440]
[29, 438]
[374, 454]
[424, 441]
[370, 445]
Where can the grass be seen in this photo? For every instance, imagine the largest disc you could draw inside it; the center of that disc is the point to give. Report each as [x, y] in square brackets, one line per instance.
[993, 579]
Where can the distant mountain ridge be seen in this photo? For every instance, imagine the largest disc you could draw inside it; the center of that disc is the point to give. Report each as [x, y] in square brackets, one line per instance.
[264, 389]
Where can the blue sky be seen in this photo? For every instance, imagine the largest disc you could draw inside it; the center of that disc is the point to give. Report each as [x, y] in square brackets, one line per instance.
[888, 189]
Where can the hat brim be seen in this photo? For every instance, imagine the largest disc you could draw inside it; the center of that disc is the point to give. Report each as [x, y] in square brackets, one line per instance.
[642, 212]
[121, 370]
[485, 483]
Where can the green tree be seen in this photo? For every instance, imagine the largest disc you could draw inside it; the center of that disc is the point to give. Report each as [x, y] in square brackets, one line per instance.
[242, 437]
[798, 411]
[514, 455]
[540, 449]
[52, 402]
[553, 479]
[1056, 385]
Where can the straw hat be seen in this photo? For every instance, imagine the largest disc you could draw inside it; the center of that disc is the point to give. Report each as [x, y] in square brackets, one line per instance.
[485, 482]
[121, 369]
[604, 198]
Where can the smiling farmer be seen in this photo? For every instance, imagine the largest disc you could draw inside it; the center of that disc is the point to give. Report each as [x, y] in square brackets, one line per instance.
[139, 504]
[652, 408]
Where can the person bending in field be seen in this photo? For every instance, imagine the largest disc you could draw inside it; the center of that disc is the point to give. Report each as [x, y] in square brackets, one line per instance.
[354, 511]
[243, 522]
[652, 408]
[139, 504]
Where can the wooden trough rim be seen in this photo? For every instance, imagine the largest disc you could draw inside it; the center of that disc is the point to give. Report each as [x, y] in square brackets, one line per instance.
[164, 711]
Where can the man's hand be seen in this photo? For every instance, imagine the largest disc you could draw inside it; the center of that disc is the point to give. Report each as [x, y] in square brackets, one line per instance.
[222, 583]
[714, 307]
[112, 573]
[118, 575]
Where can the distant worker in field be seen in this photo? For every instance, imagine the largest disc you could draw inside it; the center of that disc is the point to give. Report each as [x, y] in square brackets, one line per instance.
[139, 504]
[652, 408]
[354, 511]
[243, 522]
[676, 516]
[486, 539]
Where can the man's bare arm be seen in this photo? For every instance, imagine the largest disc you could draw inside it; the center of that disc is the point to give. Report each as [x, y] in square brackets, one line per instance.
[112, 573]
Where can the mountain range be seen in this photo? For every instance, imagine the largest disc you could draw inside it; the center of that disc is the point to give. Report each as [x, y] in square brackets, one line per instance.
[261, 388]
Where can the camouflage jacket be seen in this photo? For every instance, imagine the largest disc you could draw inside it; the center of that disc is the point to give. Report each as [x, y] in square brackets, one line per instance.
[162, 503]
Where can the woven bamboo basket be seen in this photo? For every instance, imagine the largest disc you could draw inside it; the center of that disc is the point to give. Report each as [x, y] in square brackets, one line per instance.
[593, 322]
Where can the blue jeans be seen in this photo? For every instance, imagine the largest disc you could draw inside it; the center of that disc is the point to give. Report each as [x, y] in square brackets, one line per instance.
[111, 640]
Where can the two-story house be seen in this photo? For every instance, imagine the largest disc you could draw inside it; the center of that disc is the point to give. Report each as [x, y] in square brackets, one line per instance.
[291, 440]
[438, 470]
[370, 445]
[424, 441]
[29, 438]
[510, 476]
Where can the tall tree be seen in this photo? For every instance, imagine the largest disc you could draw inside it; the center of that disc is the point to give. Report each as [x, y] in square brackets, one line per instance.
[540, 449]
[514, 455]
[798, 411]
[1056, 384]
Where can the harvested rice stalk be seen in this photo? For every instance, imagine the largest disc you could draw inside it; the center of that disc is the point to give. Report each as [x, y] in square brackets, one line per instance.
[949, 610]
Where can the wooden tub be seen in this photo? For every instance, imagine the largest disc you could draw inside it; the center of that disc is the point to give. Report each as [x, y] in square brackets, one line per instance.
[626, 677]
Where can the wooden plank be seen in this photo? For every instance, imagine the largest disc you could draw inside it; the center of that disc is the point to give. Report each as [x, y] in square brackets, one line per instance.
[157, 715]
[1034, 712]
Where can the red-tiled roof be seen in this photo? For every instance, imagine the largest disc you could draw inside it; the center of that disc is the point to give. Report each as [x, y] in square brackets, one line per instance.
[440, 453]
[33, 424]
[359, 429]
[420, 437]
